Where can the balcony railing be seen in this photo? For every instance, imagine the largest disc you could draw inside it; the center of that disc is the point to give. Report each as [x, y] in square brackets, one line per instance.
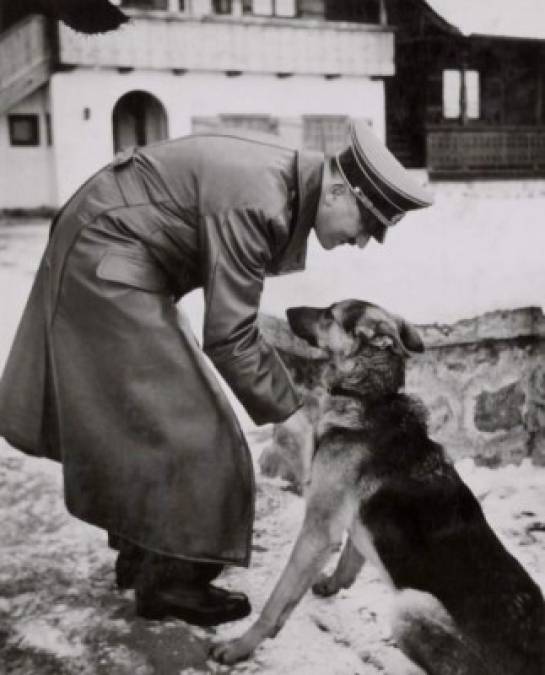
[25, 60]
[243, 44]
[498, 150]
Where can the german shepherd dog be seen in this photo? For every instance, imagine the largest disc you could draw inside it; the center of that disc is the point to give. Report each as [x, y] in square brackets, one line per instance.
[464, 605]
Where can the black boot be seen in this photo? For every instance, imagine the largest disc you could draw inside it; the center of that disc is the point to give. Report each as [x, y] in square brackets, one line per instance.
[129, 559]
[201, 606]
[170, 587]
[127, 567]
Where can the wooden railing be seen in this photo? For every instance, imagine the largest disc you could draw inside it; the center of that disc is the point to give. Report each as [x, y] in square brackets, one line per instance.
[486, 150]
[162, 40]
[25, 60]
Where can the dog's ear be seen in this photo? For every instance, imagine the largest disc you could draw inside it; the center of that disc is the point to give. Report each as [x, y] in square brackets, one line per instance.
[409, 335]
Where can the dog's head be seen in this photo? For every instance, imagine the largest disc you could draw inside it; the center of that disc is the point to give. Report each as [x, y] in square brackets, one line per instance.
[367, 345]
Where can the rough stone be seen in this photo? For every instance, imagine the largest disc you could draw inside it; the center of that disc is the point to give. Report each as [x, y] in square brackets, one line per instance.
[482, 379]
[499, 410]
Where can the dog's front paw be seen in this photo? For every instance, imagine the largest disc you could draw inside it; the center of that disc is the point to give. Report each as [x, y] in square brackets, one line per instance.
[325, 586]
[231, 651]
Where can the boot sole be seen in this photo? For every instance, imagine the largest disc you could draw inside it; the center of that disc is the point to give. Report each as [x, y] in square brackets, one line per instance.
[156, 610]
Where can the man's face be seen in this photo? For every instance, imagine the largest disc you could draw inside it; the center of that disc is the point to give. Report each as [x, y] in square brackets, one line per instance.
[340, 221]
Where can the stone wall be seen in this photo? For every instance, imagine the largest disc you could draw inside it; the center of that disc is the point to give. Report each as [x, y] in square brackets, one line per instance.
[482, 379]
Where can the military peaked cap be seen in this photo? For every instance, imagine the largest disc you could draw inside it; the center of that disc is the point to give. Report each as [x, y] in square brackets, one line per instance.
[380, 183]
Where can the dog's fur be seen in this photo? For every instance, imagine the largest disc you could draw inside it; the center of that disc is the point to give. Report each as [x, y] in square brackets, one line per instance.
[464, 605]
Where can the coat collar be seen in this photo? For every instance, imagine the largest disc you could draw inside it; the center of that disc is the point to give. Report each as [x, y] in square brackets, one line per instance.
[309, 167]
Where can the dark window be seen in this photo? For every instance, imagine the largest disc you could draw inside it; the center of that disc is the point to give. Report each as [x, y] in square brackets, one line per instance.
[138, 119]
[264, 123]
[326, 133]
[24, 130]
[361, 11]
[222, 6]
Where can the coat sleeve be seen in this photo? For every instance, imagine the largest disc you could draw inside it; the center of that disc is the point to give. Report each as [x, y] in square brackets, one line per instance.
[237, 246]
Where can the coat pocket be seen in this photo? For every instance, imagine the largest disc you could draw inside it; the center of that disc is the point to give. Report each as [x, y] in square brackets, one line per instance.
[131, 269]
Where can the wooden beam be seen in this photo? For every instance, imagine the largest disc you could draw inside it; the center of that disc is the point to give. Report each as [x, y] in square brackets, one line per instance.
[383, 14]
[28, 81]
[539, 86]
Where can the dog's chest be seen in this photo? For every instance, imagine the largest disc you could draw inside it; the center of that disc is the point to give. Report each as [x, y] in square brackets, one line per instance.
[338, 412]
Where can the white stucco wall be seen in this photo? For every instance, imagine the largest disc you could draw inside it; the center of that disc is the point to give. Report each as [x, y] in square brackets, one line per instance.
[27, 176]
[83, 145]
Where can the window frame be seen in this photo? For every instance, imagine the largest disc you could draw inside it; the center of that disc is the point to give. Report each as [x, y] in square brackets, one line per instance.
[333, 131]
[34, 140]
[465, 99]
[250, 122]
[249, 8]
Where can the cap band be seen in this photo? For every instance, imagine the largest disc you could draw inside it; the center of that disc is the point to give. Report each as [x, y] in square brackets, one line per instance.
[355, 147]
[381, 171]
[364, 199]
[373, 209]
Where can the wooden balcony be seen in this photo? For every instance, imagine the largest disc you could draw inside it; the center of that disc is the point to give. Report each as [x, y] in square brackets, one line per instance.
[179, 42]
[25, 60]
[486, 151]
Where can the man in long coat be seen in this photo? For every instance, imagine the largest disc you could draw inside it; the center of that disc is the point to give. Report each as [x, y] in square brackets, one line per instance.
[105, 378]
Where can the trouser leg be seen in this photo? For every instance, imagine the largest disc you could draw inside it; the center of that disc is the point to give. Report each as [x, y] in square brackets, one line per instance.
[134, 561]
[162, 570]
[168, 587]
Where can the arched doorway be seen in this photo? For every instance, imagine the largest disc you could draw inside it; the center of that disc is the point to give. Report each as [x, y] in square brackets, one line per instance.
[138, 119]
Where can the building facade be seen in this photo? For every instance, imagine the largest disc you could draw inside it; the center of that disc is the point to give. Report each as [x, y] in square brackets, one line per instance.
[468, 97]
[297, 68]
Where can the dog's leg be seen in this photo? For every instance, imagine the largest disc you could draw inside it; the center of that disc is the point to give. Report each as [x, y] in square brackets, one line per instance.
[402, 665]
[300, 427]
[329, 512]
[428, 636]
[348, 568]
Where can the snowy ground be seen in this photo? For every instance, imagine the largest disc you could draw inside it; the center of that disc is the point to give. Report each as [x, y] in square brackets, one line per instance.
[60, 613]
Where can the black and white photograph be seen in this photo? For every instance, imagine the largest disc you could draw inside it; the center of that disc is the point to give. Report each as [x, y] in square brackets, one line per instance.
[272, 337]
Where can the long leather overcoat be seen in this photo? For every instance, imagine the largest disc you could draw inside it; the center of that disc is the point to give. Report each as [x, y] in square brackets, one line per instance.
[104, 376]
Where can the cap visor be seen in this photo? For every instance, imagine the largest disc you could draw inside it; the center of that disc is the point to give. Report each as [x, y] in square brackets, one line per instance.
[379, 233]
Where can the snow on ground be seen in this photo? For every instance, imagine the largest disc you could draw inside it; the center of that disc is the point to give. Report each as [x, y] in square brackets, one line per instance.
[60, 613]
